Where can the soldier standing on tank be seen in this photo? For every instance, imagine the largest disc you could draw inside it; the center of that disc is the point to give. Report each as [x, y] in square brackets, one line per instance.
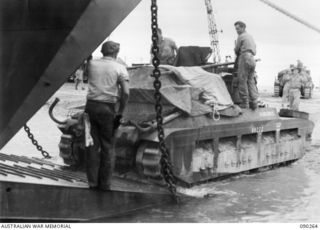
[245, 50]
[285, 82]
[295, 84]
[167, 49]
[108, 85]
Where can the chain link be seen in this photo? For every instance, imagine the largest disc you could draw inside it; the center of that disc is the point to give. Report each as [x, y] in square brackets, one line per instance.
[166, 167]
[44, 153]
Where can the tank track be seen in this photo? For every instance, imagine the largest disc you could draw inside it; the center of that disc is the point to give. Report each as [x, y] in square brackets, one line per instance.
[276, 91]
[307, 93]
[148, 160]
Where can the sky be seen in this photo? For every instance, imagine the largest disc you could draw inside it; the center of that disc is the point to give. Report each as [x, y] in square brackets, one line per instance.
[280, 40]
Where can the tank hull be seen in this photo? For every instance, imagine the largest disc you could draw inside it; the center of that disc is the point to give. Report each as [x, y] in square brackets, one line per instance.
[210, 149]
[306, 92]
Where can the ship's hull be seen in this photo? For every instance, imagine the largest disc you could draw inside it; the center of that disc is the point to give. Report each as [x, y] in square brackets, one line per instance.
[42, 43]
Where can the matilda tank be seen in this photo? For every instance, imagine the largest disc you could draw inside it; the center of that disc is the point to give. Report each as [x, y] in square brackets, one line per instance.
[278, 84]
[306, 89]
[204, 143]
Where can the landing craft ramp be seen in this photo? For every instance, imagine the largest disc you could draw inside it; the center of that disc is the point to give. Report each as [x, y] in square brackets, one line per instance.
[36, 190]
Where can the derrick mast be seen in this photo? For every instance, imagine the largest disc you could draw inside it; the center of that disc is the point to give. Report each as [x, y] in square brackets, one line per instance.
[213, 33]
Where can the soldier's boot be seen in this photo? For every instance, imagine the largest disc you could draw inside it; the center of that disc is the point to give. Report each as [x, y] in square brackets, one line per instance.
[253, 105]
[244, 106]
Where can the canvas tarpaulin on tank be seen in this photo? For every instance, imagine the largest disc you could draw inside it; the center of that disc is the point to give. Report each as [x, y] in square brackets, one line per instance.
[187, 95]
[213, 88]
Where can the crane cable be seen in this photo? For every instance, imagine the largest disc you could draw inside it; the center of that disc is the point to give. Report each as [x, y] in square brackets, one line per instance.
[290, 15]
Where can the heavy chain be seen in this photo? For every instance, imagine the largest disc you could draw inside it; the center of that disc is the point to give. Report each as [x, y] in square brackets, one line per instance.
[166, 167]
[44, 153]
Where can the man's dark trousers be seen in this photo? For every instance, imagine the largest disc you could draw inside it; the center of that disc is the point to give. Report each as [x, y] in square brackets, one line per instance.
[100, 155]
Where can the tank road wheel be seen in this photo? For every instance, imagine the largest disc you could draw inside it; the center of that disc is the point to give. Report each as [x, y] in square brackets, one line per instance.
[276, 90]
[307, 93]
[148, 160]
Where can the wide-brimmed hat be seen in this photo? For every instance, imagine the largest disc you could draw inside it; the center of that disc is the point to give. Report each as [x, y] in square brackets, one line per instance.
[110, 47]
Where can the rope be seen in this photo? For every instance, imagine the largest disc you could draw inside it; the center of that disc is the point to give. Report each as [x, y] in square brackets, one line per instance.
[292, 16]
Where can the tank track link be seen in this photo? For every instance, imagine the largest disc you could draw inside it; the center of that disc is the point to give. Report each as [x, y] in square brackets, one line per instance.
[307, 93]
[148, 161]
[276, 91]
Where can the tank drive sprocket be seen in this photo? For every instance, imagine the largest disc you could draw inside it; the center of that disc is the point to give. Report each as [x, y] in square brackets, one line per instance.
[148, 160]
